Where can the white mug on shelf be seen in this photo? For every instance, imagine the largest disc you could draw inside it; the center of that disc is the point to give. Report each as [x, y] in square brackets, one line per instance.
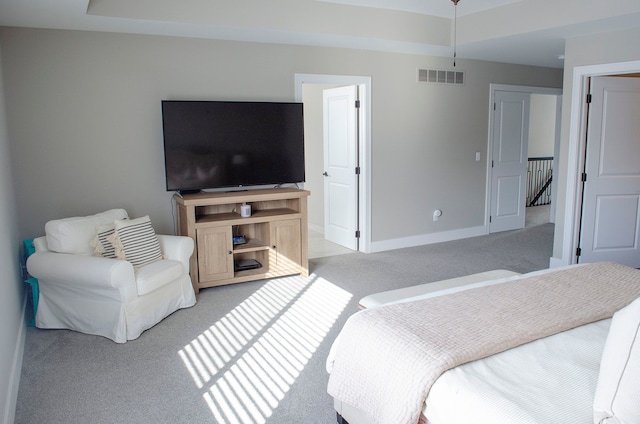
[245, 211]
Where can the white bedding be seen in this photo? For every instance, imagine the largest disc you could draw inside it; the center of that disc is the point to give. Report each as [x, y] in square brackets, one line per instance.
[550, 380]
[331, 357]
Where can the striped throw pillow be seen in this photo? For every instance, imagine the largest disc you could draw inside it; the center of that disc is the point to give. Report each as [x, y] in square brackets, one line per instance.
[135, 241]
[104, 247]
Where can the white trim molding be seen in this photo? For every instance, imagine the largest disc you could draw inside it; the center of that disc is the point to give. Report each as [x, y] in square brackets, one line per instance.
[13, 383]
[420, 240]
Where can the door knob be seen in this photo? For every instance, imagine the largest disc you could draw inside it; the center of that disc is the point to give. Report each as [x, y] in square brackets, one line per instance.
[325, 174]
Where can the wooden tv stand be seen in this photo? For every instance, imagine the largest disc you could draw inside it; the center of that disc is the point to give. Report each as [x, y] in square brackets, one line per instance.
[276, 234]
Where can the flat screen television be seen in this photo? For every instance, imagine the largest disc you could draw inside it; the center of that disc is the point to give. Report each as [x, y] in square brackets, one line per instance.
[217, 144]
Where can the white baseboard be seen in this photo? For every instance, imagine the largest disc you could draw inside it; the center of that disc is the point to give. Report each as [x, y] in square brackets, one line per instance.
[16, 368]
[555, 262]
[316, 228]
[399, 243]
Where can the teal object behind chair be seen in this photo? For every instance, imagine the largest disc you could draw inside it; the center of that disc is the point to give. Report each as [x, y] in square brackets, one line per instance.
[29, 249]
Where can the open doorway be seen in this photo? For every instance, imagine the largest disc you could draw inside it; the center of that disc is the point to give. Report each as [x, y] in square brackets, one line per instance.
[523, 123]
[544, 135]
[309, 90]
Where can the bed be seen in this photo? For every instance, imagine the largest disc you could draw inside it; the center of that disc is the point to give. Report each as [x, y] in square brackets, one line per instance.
[554, 346]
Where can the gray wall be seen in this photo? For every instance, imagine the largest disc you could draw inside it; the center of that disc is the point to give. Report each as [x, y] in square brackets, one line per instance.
[12, 326]
[86, 132]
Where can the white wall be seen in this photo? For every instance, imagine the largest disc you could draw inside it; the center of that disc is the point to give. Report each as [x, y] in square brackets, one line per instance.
[606, 48]
[84, 114]
[542, 125]
[12, 325]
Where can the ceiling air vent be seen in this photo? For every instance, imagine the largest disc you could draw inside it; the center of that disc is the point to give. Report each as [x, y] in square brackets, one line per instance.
[439, 76]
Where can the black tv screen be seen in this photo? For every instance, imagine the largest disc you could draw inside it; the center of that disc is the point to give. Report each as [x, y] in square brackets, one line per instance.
[215, 144]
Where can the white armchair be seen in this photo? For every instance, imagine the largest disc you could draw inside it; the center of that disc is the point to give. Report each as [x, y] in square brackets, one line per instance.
[103, 296]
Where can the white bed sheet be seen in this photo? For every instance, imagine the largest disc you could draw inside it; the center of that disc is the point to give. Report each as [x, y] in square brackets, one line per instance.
[550, 380]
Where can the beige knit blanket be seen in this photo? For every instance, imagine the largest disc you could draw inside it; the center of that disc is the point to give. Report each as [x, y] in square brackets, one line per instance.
[387, 358]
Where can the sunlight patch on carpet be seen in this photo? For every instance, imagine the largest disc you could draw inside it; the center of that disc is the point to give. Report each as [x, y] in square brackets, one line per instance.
[247, 361]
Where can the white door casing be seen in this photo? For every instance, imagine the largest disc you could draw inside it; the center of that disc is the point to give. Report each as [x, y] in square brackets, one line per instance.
[340, 138]
[610, 225]
[510, 135]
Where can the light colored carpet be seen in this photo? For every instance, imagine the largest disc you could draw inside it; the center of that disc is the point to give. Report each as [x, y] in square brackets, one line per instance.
[536, 215]
[246, 353]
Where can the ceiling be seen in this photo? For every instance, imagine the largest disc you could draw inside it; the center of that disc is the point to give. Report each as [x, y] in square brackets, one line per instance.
[530, 32]
[443, 9]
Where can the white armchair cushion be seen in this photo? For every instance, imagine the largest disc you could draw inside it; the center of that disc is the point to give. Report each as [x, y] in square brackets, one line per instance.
[617, 398]
[135, 240]
[178, 248]
[40, 243]
[156, 274]
[74, 235]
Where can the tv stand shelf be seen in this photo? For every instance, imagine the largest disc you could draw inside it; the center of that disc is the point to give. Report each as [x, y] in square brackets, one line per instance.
[276, 234]
[251, 246]
[257, 216]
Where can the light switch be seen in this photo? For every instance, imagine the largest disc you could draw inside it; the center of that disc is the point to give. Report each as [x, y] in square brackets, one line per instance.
[477, 156]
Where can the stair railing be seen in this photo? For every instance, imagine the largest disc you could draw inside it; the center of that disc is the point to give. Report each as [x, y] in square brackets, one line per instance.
[539, 176]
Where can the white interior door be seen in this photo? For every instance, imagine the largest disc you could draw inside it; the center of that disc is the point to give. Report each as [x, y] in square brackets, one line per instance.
[340, 129]
[510, 135]
[611, 193]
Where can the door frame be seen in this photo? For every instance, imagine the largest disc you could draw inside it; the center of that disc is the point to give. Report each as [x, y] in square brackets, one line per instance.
[520, 89]
[575, 160]
[364, 143]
